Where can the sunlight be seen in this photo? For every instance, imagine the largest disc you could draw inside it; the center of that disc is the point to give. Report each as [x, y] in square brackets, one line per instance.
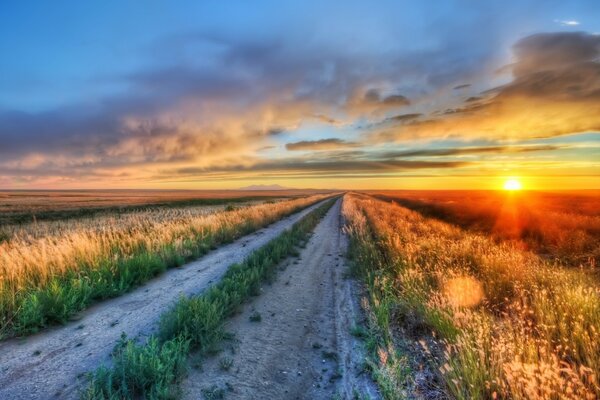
[512, 184]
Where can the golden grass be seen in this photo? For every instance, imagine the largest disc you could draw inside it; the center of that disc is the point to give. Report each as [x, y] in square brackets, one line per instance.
[32, 259]
[563, 226]
[38, 201]
[497, 321]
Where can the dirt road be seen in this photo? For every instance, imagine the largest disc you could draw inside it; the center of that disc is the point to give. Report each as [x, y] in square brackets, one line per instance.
[302, 347]
[52, 364]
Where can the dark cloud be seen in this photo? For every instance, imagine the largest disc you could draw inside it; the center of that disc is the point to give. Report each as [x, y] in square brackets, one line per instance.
[562, 66]
[323, 144]
[463, 86]
[305, 166]
[374, 97]
[468, 150]
[405, 117]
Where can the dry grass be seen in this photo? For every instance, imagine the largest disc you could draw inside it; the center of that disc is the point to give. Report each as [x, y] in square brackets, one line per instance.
[31, 231]
[35, 201]
[18, 207]
[493, 320]
[44, 278]
[563, 226]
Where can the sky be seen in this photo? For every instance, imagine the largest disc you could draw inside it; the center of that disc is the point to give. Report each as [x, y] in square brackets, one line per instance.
[306, 94]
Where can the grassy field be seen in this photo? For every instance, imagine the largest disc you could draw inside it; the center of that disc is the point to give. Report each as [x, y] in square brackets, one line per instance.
[18, 207]
[557, 225]
[454, 313]
[151, 370]
[49, 273]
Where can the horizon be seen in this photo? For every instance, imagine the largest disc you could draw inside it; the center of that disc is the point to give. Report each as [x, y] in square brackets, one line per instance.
[377, 96]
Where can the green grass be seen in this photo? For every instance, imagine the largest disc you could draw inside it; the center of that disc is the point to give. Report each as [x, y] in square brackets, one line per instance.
[65, 295]
[194, 323]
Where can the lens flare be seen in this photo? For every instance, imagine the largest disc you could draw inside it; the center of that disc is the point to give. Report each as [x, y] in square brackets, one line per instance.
[463, 291]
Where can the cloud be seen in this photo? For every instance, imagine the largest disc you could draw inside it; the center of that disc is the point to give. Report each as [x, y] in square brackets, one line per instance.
[405, 117]
[214, 114]
[372, 101]
[468, 150]
[227, 105]
[323, 144]
[568, 22]
[555, 90]
[304, 166]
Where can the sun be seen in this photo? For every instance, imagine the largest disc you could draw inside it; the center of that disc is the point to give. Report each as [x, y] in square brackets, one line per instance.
[512, 184]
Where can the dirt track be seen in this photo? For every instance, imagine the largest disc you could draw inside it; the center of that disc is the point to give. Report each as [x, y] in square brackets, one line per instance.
[302, 347]
[52, 364]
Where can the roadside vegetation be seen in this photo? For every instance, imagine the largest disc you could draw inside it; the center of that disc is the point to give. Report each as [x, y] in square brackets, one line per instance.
[453, 313]
[152, 370]
[46, 279]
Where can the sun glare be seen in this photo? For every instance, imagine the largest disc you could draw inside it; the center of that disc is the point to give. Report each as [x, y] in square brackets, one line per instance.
[512, 184]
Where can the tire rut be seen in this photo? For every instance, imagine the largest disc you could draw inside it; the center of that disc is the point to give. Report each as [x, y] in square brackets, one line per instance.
[302, 347]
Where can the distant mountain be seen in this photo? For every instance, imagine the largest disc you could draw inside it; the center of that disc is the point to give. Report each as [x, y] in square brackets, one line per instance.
[264, 187]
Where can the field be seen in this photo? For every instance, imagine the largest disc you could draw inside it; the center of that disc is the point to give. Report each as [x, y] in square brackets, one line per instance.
[456, 313]
[35, 205]
[53, 269]
[373, 295]
[563, 226]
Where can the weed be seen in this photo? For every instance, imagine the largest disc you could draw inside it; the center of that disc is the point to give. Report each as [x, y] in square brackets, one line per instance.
[149, 370]
[329, 355]
[255, 317]
[225, 363]
[213, 393]
[359, 331]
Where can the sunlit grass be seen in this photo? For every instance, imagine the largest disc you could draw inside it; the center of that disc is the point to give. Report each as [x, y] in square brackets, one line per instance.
[46, 278]
[513, 326]
[561, 226]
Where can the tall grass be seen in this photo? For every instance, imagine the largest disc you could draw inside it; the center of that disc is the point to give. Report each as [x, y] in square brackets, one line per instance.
[563, 226]
[151, 370]
[494, 321]
[61, 206]
[45, 280]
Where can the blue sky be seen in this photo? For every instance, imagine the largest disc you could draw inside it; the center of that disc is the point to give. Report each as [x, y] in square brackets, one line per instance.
[208, 94]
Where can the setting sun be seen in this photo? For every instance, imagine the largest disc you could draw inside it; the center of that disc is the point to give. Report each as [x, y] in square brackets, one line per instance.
[512, 184]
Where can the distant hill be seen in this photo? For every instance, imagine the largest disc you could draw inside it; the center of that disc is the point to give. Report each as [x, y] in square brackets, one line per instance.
[264, 187]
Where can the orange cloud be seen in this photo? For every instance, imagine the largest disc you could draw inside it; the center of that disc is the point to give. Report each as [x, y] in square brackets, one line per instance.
[555, 90]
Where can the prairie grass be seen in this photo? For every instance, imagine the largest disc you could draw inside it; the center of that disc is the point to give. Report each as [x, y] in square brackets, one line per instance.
[563, 226]
[489, 319]
[17, 207]
[194, 324]
[46, 278]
